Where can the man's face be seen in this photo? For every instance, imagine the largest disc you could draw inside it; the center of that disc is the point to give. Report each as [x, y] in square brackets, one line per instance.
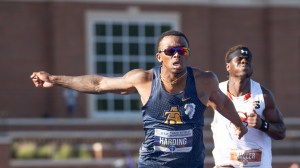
[175, 63]
[240, 66]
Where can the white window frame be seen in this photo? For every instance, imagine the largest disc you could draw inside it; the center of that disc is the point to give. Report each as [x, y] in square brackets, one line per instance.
[132, 14]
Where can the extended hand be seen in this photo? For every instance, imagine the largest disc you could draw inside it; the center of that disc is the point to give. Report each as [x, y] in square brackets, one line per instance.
[41, 79]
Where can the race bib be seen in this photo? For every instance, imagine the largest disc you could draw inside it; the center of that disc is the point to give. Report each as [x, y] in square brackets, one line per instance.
[173, 141]
[246, 158]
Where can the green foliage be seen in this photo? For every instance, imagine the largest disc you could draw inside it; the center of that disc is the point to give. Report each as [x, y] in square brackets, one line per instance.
[26, 150]
[83, 152]
[51, 150]
[46, 151]
[64, 152]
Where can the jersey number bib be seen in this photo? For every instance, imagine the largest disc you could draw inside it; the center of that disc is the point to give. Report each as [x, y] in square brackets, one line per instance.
[173, 141]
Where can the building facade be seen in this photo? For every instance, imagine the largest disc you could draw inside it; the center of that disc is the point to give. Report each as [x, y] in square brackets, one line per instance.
[78, 37]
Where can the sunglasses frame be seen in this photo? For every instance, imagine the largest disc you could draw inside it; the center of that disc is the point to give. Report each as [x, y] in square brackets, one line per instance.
[175, 49]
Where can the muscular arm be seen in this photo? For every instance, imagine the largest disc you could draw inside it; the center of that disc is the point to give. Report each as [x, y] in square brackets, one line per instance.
[272, 115]
[92, 83]
[95, 84]
[219, 101]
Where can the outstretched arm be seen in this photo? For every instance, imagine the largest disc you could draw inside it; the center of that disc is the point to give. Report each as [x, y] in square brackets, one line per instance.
[220, 102]
[90, 83]
[273, 122]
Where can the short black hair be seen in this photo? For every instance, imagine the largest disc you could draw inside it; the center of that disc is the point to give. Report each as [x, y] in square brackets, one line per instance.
[171, 33]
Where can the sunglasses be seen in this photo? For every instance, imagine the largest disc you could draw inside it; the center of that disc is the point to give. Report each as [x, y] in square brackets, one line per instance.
[183, 51]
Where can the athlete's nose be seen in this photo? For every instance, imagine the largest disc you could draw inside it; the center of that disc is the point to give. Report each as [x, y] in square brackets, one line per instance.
[244, 61]
[176, 55]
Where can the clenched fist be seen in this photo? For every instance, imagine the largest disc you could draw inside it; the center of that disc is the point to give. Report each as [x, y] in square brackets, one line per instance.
[254, 120]
[41, 79]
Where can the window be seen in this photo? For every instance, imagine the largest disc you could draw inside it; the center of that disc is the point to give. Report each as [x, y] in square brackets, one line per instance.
[117, 43]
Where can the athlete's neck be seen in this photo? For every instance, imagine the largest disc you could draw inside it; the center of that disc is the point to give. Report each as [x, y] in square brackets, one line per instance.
[172, 78]
[173, 83]
[237, 87]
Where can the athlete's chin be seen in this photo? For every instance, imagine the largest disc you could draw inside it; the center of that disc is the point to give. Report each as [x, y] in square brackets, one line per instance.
[245, 76]
[178, 68]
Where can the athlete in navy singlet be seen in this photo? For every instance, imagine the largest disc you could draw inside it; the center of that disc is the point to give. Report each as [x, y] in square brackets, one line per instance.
[173, 126]
[174, 97]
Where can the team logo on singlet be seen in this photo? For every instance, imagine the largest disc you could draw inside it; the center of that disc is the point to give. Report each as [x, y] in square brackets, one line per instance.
[190, 110]
[256, 104]
[173, 116]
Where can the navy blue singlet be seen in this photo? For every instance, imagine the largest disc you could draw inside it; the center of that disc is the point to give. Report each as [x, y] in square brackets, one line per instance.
[173, 126]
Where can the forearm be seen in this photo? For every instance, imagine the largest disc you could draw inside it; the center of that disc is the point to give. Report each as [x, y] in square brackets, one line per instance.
[229, 112]
[273, 117]
[276, 131]
[87, 83]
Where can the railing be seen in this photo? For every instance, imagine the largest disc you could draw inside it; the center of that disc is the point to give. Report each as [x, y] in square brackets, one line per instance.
[120, 142]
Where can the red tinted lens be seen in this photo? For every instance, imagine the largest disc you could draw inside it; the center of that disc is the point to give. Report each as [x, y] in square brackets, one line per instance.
[183, 51]
[180, 50]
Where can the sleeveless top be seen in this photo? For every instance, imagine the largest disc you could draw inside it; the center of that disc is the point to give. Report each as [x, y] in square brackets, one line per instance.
[173, 126]
[254, 148]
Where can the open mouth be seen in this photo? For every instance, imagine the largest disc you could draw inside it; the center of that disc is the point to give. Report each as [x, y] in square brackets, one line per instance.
[177, 64]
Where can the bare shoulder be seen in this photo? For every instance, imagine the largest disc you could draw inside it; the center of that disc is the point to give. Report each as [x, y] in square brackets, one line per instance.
[266, 91]
[141, 80]
[205, 77]
[206, 84]
[268, 96]
[139, 76]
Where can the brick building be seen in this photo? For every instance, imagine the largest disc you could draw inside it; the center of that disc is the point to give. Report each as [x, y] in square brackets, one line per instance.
[56, 36]
[59, 37]
[109, 37]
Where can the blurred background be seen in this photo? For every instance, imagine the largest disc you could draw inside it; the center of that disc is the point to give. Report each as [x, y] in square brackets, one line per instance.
[60, 128]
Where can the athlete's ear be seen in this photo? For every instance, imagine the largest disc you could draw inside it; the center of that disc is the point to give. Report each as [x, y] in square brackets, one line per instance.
[227, 67]
[158, 57]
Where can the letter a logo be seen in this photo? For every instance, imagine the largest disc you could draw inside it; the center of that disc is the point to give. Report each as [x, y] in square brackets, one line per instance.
[173, 116]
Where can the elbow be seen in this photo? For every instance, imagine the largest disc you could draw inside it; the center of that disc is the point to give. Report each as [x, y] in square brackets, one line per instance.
[281, 135]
